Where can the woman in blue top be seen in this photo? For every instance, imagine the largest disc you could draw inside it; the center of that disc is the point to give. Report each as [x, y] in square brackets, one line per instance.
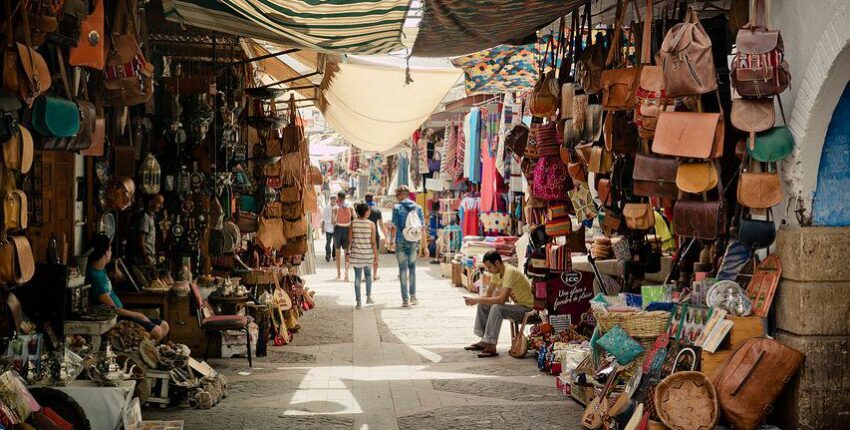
[101, 291]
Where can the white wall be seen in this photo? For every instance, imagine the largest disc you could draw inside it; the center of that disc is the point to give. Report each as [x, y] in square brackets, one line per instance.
[817, 46]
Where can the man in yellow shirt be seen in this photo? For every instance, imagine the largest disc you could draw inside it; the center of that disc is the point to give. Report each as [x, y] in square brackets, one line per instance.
[493, 307]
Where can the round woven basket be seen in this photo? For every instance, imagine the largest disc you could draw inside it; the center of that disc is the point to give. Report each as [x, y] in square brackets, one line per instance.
[687, 401]
[641, 324]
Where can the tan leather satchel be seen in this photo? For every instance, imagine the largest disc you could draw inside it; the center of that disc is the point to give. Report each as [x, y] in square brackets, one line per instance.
[601, 160]
[759, 190]
[15, 210]
[294, 229]
[752, 378]
[17, 265]
[639, 216]
[24, 70]
[519, 344]
[545, 95]
[689, 135]
[270, 233]
[618, 88]
[273, 210]
[753, 115]
[697, 177]
[568, 91]
[18, 151]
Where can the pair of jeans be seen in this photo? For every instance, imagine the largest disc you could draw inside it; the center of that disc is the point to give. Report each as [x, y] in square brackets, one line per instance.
[330, 250]
[367, 271]
[405, 254]
[488, 320]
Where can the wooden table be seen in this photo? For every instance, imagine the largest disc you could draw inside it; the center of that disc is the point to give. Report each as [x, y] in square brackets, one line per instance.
[95, 329]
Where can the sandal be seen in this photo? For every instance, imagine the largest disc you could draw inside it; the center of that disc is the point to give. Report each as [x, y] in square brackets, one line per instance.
[488, 354]
[475, 347]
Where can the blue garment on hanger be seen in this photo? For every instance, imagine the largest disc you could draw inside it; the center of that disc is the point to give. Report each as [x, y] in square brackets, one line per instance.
[403, 170]
[472, 156]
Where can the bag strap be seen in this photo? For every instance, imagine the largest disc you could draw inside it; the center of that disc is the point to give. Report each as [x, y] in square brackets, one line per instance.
[646, 37]
[10, 40]
[64, 73]
[759, 14]
[614, 51]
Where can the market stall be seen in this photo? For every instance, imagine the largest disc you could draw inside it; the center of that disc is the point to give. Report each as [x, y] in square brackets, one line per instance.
[646, 173]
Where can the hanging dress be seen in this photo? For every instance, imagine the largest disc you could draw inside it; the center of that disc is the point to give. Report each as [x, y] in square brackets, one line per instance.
[488, 168]
[472, 161]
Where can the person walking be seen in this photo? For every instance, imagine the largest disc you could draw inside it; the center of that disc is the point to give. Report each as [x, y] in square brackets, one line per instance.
[376, 217]
[342, 216]
[362, 251]
[408, 233]
[328, 228]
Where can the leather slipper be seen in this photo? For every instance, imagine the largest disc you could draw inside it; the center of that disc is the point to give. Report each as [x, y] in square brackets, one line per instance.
[475, 347]
[488, 354]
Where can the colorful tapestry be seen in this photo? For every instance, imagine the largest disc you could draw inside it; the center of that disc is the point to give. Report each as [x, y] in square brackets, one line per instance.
[502, 69]
[452, 28]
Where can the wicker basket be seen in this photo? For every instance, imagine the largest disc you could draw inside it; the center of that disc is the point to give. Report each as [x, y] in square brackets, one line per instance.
[687, 401]
[639, 325]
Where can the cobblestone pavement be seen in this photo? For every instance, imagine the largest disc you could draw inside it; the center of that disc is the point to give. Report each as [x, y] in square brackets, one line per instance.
[384, 367]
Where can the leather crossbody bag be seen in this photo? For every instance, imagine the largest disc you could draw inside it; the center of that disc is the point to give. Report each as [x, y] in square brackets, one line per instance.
[696, 177]
[689, 135]
[25, 72]
[639, 216]
[701, 219]
[655, 177]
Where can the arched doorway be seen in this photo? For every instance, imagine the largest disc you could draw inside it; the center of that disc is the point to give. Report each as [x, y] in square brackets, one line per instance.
[831, 205]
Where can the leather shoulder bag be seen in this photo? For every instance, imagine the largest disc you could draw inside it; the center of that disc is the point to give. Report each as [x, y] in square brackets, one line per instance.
[689, 135]
[755, 233]
[759, 68]
[639, 216]
[704, 220]
[90, 50]
[621, 135]
[759, 190]
[129, 76]
[696, 177]
[24, 70]
[18, 151]
[655, 177]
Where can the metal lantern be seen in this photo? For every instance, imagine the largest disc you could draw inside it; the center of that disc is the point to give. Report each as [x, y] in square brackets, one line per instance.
[151, 174]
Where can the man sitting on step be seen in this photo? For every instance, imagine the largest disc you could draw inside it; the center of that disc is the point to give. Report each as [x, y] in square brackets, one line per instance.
[493, 306]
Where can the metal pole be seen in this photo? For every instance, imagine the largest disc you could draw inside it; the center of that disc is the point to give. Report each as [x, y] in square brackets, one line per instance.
[261, 57]
[290, 80]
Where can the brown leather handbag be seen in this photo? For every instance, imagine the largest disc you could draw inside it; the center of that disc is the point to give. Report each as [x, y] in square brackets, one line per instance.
[621, 135]
[543, 101]
[90, 50]
[516, 139]
[687, 60]
[704, 220]
[295, 229]
[290, 194]
[24, 70]
[752, 378]
[98, 139]
[759, 69]
[270, 233]
[655, 177]
[273, 210]
[18, 151]
[604, 191]
[294, 247]
[753, 115]
[639, 216]
[696, 177]
[17, 265]
[759, 190]
[14, 207]
[129, 76]
[689, 135]
[601, 160]
[292, 211]
[618, 88]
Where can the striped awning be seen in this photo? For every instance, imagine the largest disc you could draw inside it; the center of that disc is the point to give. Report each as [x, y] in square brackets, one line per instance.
[338, 26]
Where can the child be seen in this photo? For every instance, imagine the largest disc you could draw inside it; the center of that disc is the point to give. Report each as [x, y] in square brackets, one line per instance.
[362, 250]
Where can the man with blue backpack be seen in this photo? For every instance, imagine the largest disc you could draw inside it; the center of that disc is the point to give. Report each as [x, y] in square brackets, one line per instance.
[408, 233]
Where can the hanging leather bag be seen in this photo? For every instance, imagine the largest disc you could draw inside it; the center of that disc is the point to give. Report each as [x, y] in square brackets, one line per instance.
[651, 93]
[129, 76]
[90, 50]
[545, 96]
[759, 68]
[591, 61]
[25, 72]
[752, 378]
[639, 216]
[58, 119]
[618, 84]
[686, 58]
[247, 222]
[771, 146]
[9, 107]
[759, 190]
[17, 265]
[601, 160]
[18, 152]
[14, 205]
[655, 177]
[704, 219]
[689, 135]
[752, 115]
[270, 233]
[517, 138]
[696, 177]
[621, 135]
[294, 229]
[757, 234]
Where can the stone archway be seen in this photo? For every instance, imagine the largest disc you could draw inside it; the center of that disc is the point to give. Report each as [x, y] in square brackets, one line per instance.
[830, 205]
[818, 93]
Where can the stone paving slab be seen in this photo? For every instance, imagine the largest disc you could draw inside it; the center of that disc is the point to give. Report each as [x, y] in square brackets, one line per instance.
[384, 367]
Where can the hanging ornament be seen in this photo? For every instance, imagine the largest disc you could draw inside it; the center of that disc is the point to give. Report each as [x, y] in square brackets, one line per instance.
[151, 175]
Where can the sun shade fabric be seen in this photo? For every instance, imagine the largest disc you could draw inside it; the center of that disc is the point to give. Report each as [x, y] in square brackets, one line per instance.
[504, 68]
[342, 26]
[372, 107]
[458, 27]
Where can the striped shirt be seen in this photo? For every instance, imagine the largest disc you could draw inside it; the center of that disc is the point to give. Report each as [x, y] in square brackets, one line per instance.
[362, 253]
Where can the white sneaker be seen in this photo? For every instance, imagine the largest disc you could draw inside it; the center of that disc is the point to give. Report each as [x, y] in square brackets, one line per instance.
[413, 301]
[405, 304]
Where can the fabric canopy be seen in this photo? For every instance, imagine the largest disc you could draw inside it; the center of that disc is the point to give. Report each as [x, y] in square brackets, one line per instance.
[458, 27]
[504, 68]
[342, 26]
[373, 108]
